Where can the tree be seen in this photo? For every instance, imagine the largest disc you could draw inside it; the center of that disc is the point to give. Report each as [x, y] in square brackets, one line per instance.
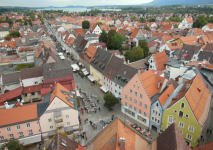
[176, 26]
[136, 54]
[133, 17]
[144, 45]
[7, 37]
[110, 100]
[99, 23]
[1, 20]
[103, 37]
[141, 19]
[15, 33]
[9, 20]
[25, 22]
[12, 144]
[164, 18]
[103, 15]
[52, 16]
[158, 26]
[85, 24]
[32, 16]
[30, 22]
[109, 38]
[147, 28]
[117, 40]
[127, 55]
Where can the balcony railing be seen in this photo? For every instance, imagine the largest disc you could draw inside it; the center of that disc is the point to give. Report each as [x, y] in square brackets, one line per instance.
[61, 124]
[58, 118]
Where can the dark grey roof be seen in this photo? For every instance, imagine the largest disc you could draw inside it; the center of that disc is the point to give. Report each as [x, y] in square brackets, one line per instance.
[89, 35]
[37, 61]
[190, 50]
[41, 107]
[155, 97]
[31, 72]
[174, 63]
[112, 67]
[206, 55]
[176, 52]
[101, 60]
[124, 74]
[79, 44]
[11, 78]
[3, 29]
[60, 68]
[208, 47]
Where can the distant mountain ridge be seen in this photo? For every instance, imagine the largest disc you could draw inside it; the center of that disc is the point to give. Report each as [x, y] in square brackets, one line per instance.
[182, 2]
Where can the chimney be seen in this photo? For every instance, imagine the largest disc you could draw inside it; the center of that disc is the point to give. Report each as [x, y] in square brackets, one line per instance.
[194, 42]
[122, 143]
[159, 84]
[6, 105]
[139, 71]
[128, 61]
[5, 148]
[188, 86]
[204, 62]
[199, 66]
[209, 59]
[43, 51]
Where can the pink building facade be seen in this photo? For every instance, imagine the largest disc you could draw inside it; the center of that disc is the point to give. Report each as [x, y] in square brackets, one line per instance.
[136, 102]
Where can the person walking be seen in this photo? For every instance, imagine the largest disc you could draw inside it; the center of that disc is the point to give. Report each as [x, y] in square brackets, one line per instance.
[85, 121]
[99, 109]
[207, 130]
[210, 132]
[86, 137]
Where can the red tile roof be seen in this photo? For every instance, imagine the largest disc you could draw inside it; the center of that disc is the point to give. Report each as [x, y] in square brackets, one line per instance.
[134, 33]
[160, 59]
[150, 82]
[189, 20]
[90, 53]
[166, 27]
[150, 44]
[165, 95]
[18, 114]
[10, 95]
[79, 31]
[30, 89]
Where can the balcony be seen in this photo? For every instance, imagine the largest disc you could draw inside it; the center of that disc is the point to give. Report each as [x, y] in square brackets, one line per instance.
[58, 118]
[58, 125]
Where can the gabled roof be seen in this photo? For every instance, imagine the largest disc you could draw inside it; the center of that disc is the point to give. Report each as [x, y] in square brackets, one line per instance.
[150, 82]
[198, 31]
[207, 146]
[112, 68]
[165, 95]
[140, 64]
[208, 48]
[90, 52]
[79, 31]
[134, 33]
[166, 27]
[18, 114]
[189, 20]
[189, 51]
[11, 78]
[58, 139]
[160, 59]
[31, 72]
[58, 93]
[171, 139]
[105, 27]
[191, 40]
[205, 55]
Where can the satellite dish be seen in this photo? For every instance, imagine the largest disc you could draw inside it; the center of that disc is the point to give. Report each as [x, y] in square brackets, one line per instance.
[18, 100]
[22, 101]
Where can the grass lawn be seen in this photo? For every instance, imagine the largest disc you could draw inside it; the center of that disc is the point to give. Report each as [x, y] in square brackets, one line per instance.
[23, 66]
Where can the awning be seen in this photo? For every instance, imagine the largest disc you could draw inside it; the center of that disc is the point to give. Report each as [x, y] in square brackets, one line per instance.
[75, 67]
[91, 78]
[104, 88]
[86, 72]
[30, 139]
[77, 93]
[84, 69]
[10, 95]
[62, 57]
[61, 54]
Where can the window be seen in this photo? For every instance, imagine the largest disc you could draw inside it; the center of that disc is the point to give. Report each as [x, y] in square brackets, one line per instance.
[153, 118]
[130, 106]
[140, 103]
[136, 93]
[135, 109]
[156, 104]
[50, 120]
[115, 91]
[141, 95]
[138, 87]
[153, 111]
[1, 138]
[158, 121]
[51, 127]
[130, 91]
[33, 93]
[133, 86]
[139, 111]
[180, 114]
[25, 95]
[21, 134]
[11, 136]
[144, 114]
[159, 114]
[115, 84]
[187, 116]
[175, 111]
[28, 125]
[182, 105]
[68, 123]
[67, 116]
[130, 98]
[126, 96]
[189, 137]
[119, 87]
[30, 132]
[145, 106]
[181, 124]
[191, 129]
[135, 101]
[119, 93]
[18, 127]
[8, 129]
[125, 104]
[170, 119]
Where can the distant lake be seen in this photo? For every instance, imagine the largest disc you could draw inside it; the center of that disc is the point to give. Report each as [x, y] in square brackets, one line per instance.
[76, 9]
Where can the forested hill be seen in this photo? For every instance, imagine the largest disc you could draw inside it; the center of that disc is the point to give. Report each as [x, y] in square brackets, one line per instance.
[182, 2]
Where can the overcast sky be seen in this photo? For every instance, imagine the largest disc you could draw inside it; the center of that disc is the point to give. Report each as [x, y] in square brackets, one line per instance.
[61, 3]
